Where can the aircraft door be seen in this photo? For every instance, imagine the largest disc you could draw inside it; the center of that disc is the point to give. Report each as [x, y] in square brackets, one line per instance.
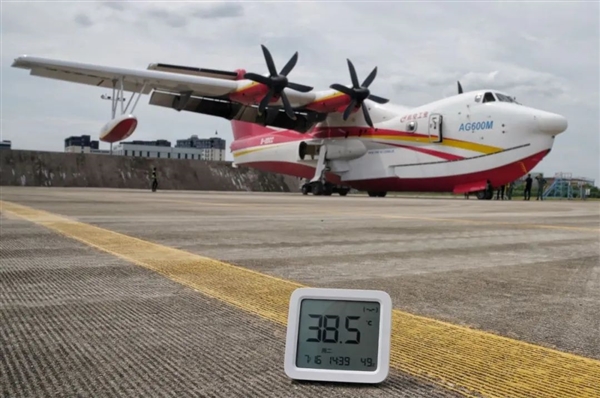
[435, 127]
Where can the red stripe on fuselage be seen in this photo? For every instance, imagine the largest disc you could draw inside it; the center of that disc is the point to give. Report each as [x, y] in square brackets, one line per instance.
[346, 132]
[251, 134]
[498, 176]
[268, 138]
[242, 130]
[258, 136]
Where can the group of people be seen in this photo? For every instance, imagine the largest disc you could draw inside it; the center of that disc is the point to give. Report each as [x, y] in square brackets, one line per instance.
[528, 184]
[506, 191]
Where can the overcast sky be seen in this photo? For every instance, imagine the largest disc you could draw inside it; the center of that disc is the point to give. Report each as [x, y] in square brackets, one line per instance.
[546, 54]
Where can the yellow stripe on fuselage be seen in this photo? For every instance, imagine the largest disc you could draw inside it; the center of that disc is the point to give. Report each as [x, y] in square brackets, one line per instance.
[448, 142]
[253, 149]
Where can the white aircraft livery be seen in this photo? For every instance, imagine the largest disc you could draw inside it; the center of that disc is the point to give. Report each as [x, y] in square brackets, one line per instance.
[340, 138]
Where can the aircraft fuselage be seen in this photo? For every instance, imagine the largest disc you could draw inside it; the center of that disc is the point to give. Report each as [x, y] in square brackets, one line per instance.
[452, 145]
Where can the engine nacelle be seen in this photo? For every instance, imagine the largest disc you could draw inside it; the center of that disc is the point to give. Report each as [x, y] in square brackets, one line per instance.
[118, 129]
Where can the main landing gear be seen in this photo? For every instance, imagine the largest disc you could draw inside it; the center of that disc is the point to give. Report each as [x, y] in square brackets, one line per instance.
[326, 189]
[375, 194]
[318, 185]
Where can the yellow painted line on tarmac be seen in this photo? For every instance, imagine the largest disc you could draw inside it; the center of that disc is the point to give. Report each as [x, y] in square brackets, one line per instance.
[468, 361]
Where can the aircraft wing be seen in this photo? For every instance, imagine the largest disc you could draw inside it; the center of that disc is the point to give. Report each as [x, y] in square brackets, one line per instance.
[182, 88]
[133, 79]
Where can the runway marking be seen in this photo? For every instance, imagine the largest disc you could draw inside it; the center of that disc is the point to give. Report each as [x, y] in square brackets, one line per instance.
[468, 361]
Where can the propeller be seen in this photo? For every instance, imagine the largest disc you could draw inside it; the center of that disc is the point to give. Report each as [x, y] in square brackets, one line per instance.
[358, 93]
[460, 90]
[277, 82]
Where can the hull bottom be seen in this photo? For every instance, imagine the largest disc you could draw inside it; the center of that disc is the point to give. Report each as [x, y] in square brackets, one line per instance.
[498, 176]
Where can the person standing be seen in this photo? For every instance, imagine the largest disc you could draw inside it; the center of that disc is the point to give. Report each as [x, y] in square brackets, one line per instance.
[509, 190]
[500, 192]
[527, 191]
[541, 183]
[154, 180]
[489, 190]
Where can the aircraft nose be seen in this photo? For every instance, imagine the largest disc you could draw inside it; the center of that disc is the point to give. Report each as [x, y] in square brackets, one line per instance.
[551, 123]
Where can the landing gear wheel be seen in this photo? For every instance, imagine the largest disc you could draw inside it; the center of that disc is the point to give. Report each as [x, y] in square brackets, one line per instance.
[328, 189]
[317, 188]
[343, 192]
[483, 195]
[382, 194]
[305, 189]
[377, 194]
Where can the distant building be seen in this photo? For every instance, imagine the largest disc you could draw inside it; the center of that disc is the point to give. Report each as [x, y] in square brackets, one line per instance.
[156, 149]
[81, 144]
[5, 144]
[212, 148]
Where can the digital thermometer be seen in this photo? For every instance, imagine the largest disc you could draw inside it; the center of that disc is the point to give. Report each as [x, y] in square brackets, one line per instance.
[340, 335]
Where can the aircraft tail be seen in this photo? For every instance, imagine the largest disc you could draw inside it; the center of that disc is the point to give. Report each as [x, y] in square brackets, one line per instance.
[243, 130]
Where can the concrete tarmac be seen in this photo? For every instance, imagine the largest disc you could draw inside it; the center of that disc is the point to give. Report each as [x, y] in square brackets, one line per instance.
[78, 321]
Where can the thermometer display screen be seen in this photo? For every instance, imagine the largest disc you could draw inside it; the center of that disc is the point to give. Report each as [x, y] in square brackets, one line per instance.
[338, 334]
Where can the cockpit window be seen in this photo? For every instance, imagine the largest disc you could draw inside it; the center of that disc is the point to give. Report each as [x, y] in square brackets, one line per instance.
[505, 98]
[489, 97]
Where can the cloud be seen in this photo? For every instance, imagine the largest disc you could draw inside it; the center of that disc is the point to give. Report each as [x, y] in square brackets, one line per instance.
[83, 20]
[172, 19]
[545, 54]
[223, 10]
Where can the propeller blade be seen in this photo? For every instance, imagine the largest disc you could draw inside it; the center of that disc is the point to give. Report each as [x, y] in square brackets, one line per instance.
[367, 116]
[343, 89]
[265, 101]
[277, 83]
[288, 107]
[378, 99]
[290, 65]
[299, 87]
[370, 78]
[349, 109]
[353, 74]
[269, 59]
[257, 78]
[460, 90]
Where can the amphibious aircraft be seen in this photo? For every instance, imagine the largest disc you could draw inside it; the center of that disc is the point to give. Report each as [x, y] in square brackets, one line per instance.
[338, 138]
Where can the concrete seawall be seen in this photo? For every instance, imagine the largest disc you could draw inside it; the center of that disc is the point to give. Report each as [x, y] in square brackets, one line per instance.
[59, 169]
